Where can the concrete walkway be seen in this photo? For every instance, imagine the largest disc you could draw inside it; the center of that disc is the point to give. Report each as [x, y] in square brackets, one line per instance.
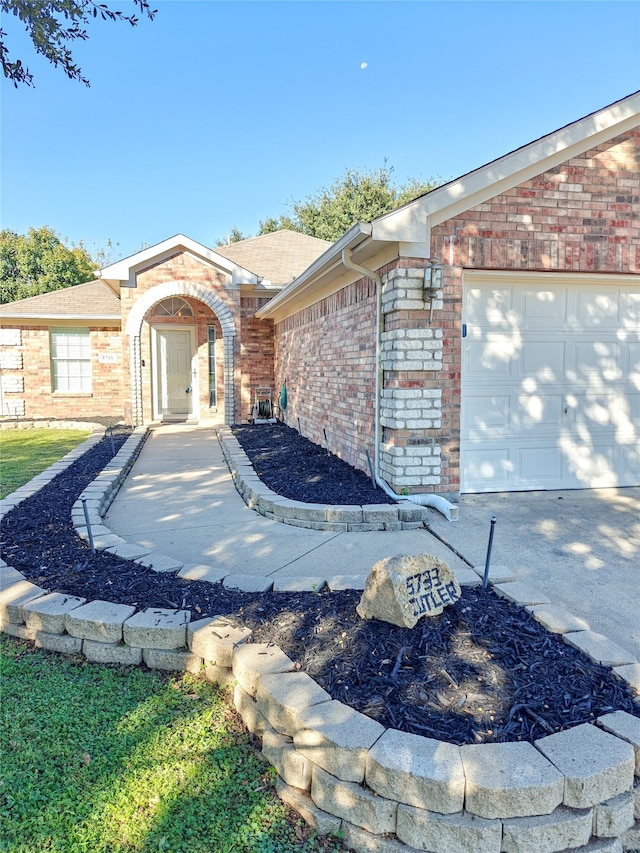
[581, 548]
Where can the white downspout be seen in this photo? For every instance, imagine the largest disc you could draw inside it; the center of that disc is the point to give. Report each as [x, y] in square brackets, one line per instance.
[449, 510]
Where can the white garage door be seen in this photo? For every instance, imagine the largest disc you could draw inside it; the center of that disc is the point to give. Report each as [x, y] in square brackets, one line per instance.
[550, 382]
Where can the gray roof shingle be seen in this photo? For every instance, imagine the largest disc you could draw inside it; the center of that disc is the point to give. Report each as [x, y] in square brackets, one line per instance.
[279, 257]
[93, 299]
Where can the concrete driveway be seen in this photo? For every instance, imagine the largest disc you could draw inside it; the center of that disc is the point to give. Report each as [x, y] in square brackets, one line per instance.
[581, 548]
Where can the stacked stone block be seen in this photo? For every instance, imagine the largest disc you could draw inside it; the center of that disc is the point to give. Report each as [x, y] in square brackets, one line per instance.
[386, 789]
[383, 790]
[401, 516]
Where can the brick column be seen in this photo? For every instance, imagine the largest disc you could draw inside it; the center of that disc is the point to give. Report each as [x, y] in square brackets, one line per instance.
[411, 394]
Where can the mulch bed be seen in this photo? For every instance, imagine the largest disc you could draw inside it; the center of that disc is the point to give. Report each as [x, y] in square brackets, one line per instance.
[483, 671]
[296, 468]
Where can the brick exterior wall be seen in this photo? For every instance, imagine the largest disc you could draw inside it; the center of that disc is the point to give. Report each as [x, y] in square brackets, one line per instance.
[577, 217]
[180, 267]
[27, 383]
[257, 353]
[581, 216]
[326, 355]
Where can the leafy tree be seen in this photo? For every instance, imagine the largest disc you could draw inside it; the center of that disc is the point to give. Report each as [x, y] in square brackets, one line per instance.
[234, 236]
[356, 196]
[39, 262]
[280, 224]
[52, 26]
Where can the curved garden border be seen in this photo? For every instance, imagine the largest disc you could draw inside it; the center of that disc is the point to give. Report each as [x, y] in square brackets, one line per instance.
[384, 790]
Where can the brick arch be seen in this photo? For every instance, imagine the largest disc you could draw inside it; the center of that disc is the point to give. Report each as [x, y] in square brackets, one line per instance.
[133, 328]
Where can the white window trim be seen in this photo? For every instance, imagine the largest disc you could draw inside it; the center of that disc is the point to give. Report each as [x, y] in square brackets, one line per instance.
[78, 384]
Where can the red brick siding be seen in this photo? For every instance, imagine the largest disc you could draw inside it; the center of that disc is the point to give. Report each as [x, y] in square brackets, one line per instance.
[256, 354]
[326, 354]
[581, 216]
[106, 395]
[182, 267]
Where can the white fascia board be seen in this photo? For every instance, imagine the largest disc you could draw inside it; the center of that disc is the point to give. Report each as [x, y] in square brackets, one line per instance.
[414, 221]
[330, 281]
[124, 271]
[327, 261]
[414, 250]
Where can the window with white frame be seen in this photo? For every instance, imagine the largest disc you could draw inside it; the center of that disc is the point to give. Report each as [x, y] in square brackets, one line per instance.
[71, 360]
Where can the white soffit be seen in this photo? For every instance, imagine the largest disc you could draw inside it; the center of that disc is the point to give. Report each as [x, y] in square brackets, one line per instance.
[413, 221]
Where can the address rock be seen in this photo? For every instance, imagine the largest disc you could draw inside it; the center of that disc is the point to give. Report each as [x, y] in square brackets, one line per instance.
[401, 590]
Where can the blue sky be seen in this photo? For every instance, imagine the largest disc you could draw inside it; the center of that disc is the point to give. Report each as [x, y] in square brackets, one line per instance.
[219, 114]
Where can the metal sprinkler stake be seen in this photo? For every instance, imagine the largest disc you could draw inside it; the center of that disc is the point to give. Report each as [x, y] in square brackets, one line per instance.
[86, 518]
[113, 446]
[489, 547]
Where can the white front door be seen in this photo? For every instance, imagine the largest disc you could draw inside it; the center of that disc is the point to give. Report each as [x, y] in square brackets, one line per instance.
[550, 382]
[174, 373]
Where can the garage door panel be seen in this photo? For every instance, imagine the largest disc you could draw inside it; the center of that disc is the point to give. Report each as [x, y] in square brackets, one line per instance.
[630, 463]
[589, 465]
[596, 309]
[596, 362]
[543, 360]
[497, 353]
[491, 307]
[486, 415]
[551, 386]
[544, 304]
[631, 360]
[539, 465]
[540, 411]
[629, 310]
[487, 465]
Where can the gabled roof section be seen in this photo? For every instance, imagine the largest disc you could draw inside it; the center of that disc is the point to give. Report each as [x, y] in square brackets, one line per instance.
[124, 272]
[277, 257]
[411, 222]
[94, 300]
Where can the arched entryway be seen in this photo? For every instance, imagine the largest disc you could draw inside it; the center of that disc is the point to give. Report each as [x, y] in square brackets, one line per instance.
[173, 349]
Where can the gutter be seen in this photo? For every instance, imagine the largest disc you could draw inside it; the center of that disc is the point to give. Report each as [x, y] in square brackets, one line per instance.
[329, 258]
[53, 317]
[449, 510]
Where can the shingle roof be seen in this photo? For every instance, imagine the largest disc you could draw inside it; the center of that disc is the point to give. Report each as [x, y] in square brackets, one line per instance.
[278, 257]
[93, 299]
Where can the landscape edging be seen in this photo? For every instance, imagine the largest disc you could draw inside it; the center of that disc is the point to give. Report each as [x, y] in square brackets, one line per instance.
[403, 515]
[25, 611]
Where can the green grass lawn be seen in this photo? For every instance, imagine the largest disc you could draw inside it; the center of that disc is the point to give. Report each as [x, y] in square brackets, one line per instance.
[24, 453]
[97, 758]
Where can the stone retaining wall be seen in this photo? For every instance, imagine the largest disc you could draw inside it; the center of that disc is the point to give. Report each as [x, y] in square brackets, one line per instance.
[383, 790]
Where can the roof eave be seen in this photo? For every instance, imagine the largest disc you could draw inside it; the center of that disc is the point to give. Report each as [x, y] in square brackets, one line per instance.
[25, 315]
[321, 266]
[412, 221]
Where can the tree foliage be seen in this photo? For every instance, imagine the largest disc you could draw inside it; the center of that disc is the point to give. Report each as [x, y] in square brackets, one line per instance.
[234, 236]
[39, 262]
[356, 196]
[52, 26]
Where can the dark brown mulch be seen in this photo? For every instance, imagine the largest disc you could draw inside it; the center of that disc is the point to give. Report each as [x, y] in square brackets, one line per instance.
[296, 468]
[483, 671]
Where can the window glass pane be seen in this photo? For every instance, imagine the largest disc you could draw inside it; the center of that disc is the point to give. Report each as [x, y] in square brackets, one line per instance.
[174, 306]
[212, 365]
[71, 360]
